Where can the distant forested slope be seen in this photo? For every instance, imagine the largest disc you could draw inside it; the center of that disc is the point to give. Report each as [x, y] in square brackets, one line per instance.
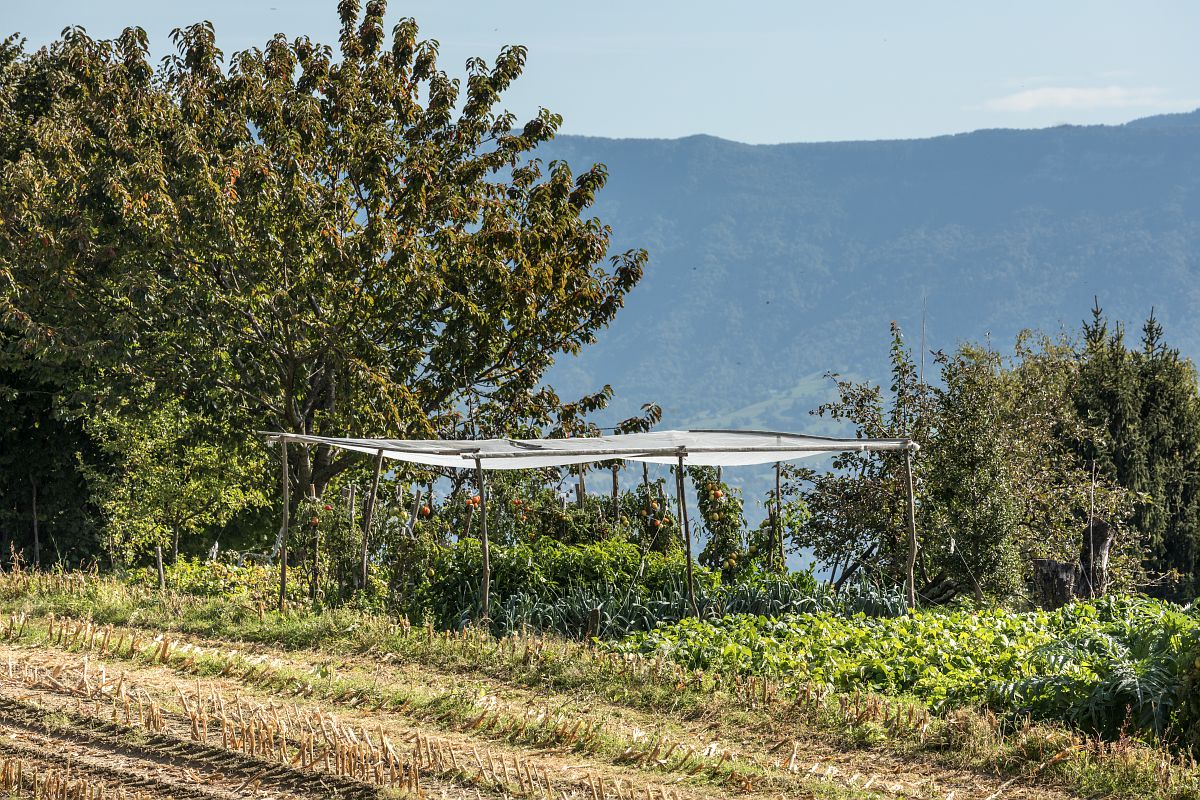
[771, 265]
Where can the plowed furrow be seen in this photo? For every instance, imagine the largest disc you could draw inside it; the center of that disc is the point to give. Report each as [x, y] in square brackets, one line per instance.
[157, 764]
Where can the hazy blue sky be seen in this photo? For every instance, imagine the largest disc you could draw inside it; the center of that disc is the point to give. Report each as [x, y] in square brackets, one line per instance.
[757, 71]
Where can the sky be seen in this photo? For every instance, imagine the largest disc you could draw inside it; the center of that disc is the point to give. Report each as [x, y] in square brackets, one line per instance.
[754, 71]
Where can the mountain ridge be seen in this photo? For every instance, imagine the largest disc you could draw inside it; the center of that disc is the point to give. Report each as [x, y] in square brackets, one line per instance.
[1172, 119]
[769, 263]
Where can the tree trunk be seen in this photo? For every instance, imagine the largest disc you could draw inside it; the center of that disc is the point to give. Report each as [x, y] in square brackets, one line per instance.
[854, 567]
[939, 591]
[175, 547]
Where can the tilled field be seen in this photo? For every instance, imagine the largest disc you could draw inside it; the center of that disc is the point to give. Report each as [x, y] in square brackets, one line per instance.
[111, 711]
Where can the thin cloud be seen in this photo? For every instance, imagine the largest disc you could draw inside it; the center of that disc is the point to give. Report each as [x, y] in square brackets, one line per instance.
[1078, 97]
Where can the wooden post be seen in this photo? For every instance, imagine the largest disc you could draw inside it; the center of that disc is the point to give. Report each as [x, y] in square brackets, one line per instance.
[485, 588]
[283, 530]
[776, 522]
[616, 494]
[368, 514]
[162, 577]
[37, 542]
[351, 517]
[416, 509]
[687, 536]
[910, 575]
[581, 487]
[316, 565]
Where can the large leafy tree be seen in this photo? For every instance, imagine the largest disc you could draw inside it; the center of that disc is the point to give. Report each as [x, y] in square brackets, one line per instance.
[302, 240]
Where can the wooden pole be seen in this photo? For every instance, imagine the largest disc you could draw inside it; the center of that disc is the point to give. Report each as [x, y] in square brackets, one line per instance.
[687, 536]
[316, 549]
[351, 518]
[162, 577]
[283, 530]
[485, 588]
[37, 542]
[776, 522]
[649, 507]
[368, 514]
[416, 509]
[616, 494]
[911, 577]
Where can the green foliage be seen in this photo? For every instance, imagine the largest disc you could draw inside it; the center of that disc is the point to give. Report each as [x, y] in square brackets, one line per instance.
[173, 475]
[858, 512]
[1143, 411]
[301, 240]
[997, 481]
[1188, 718]
[1099, 665]
[41, 444]
[443, 580]
[240, 583]
[720, 510]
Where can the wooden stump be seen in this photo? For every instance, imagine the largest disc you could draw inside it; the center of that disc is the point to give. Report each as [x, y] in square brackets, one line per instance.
[1093, 559]
[1053, 583]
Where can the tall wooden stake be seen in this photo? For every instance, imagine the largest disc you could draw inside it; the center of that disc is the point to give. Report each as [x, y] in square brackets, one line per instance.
[616, 494]
[687, 536]
[485, 588]
[283, 530]
[162, 577]
[368, 514]
[911, 578]
[776, 522]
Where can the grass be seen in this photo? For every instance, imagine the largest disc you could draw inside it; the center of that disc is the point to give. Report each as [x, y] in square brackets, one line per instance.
[736, 709]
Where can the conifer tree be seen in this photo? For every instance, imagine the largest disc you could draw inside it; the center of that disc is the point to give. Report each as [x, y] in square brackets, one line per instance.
[1142, 410]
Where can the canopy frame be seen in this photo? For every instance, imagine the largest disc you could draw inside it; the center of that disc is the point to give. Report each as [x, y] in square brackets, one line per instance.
[666, 447]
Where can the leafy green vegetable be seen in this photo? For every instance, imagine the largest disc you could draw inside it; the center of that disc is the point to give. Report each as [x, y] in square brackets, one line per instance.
[1104, 665]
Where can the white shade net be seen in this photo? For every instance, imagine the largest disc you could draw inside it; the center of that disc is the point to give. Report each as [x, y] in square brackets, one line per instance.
[699, 448]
